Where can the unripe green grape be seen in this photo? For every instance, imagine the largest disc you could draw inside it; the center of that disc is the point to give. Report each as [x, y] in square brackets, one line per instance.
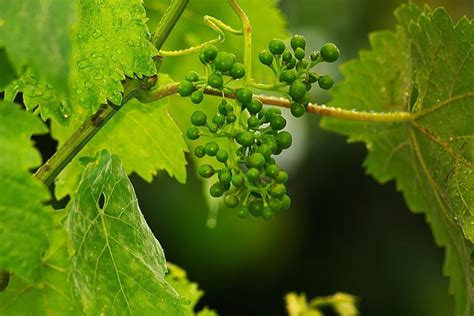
[282, 177]
[231, 118]
[288, 76]
[272, 144]
[275, 205]
[245, 139]
[253, 174]
[303, 64]
[285, 202]
[193, 133]
[237, 71]
[216, 190]
[210, 52]
[244, 95]
[197, 97]
[223, 107]
[256, 208]
[256, 160]
[312, 77]
[215, 81]
[299, 53]
[219, 120]
[284, 140]
[231, 201]
[206, 171]
[265, 57]
[243, 212]
[278, 190]
[308, 86]
[267, 213]
[297, 90]
[265, 150]
[297, 109]
[330, 52]
[198, 118]
[254, 106]
[291, 64]
[229, 108]
[199, 151]
[192, 76]
[277, 122]
[212, 148]
[212, 127]
[203, 58]
[287, 56]
[314, 56]
[325, 82]
[225, 176]
[298, 41]
[276, 46]
[185, 88]
[271, 113]
[272, 171]
[222, 155]
[224, 61]
[237, 180]
[253, 121]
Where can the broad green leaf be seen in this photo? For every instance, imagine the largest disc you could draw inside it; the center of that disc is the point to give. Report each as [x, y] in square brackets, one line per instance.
[118, 267]
[143, 136]
[52, 295]
[426, 68]
[37, 34]
[7, 73]
[24, 220]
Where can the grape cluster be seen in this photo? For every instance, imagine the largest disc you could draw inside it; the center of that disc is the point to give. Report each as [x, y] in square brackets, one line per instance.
[293, 69]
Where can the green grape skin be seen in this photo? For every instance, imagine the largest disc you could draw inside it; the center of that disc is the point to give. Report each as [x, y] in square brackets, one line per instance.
[270, 113]
[267, 213]
[272, 171]
[297, 109]
[211, 149]
[197, 97]
[284, 140]
[231, 201]
[314, 56]
[275, 205]
[231, 118]
[298, 41]
[223, 107]
[193, 133]
[244, 95]
[330, 52]
[215, 81]
[224, 61]
[312, 77]
[278, 190]
[277, 122]
[245, 139]
[192, 76]
[222, 155]
[216, 190]
[256, 208]
[185, 88]
[325, 82]
[225, 176]
[291, 64]
[219, 120]
[206, 171]
[287, 56]
[256, 160]
[265, 57]
[255, 106]
[253, 122]
[243, 212]
[297, 90]
[237, 180]
[285, 202]
[199, 151]
[282, 177]
[265, 150]
[198, 118]
[210, 52]
[288, 76]
[237, 71]
[203, 58]
[276, 46]
[253, 174]
[272, 144]
[212, 127]
[299, 53]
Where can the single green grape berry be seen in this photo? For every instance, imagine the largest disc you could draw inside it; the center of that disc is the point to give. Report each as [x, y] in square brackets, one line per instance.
[325, 82]
[225, 177]
[215, 81]
[237, 180]
[312, 77]
[277, 122]
[278, 190]
[244, 95]
[231, 200]
[255, 106]
[272, 144]
[297, 90]
[256, 208]
[203, 58]
[198, 118]
[212, 127]
[216, 190]
[237, 71]
[276, 46]
[197, 97]
[270, 113]
[265, 57]
[287, 56]
[222, 155]
[282, 177]
[253, 174]
[245, 138]
[308, 86]
[267, 213]
[224, 61]
[229, 107]
[231, 118]
[192, 76]
[212, 148]
[272, 171]
[299, 53]
[275, 205]
[193, 133]
[292, 63]
[284, 140]
[219, 120]
[330, 52]
[256, 160]
[223, 107]
[285, 202]
[199, 151]
[243, 212]
[253, 121]
[314, 56]
[298, 41]
[185, 88]
[297, 109]
[210, 52]
[288, 76]
[265, 150]
[206, 171]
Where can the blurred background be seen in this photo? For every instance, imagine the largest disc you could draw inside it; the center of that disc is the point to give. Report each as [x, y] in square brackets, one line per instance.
[344, 232]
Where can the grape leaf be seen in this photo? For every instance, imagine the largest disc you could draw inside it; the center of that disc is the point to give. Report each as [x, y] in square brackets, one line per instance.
[117, 267]
[52, 295]
[144, 136]
[6, 70]
[425, 67]
[21, 196]
[36, 33]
